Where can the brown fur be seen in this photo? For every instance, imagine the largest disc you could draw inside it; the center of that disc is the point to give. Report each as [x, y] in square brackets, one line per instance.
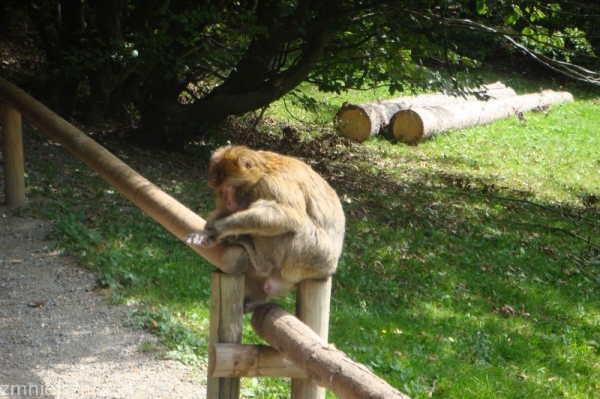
[286, 216]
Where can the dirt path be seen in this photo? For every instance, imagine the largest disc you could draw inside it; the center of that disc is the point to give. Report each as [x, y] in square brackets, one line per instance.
[60, 339]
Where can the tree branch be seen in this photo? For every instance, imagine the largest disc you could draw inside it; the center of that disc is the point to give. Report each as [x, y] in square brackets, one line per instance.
[573, 71]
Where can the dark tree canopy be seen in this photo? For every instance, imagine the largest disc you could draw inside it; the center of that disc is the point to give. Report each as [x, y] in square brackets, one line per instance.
[185, 64]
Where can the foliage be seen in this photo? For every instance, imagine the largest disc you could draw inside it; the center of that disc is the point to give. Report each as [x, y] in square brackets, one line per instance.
[180, 66]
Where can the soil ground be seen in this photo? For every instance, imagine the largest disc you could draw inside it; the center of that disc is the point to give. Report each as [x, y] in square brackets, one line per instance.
[61, 339]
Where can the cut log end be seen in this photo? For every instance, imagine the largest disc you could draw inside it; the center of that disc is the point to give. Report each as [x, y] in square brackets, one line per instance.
[353, 123]
[407, 126]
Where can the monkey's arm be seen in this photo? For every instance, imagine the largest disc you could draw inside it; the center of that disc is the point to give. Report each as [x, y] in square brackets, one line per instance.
[263, 218]
[219, 213]
[206, 236]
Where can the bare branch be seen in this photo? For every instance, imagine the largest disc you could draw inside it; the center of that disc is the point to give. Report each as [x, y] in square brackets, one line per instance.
[566, 68]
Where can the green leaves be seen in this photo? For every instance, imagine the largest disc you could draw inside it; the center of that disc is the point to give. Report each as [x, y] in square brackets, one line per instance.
[482, 7]
[513, 16]
[187, 56]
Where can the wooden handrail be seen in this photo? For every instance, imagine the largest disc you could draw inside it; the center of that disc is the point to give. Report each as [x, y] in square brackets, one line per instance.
[167, 211]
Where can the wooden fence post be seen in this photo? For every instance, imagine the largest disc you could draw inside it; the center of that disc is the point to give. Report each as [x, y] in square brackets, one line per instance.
[12, 148]
[226, 313]
[312, 308]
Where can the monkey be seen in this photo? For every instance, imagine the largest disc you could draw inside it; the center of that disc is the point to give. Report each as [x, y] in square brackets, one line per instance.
[289, 220]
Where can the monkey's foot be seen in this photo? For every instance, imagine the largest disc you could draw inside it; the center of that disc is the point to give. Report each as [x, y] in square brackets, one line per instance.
[250, 307]
[202, 238]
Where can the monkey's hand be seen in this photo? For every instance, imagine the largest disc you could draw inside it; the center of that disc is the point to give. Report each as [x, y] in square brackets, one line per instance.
[204, 238]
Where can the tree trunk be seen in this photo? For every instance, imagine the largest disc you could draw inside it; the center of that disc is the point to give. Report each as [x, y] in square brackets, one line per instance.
[103, 78]
[416, 124]
[60, 33]
[358, 122]
[327, 366]
[171, 120]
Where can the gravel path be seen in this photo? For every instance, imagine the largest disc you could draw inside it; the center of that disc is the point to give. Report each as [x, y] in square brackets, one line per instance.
[59, 339]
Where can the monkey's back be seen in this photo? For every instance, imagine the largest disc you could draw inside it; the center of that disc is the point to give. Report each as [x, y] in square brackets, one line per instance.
[314, 248]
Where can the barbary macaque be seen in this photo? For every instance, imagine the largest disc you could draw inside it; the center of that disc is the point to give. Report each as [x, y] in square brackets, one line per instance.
[287, 217]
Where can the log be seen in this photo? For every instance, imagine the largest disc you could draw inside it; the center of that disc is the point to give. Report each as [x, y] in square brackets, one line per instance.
[12, 148]
[234, 360]
[417, 124]
[323, 363]
[358, 122]
[171, 214]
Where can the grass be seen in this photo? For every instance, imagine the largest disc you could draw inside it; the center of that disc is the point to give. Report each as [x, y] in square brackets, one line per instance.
[471, 267]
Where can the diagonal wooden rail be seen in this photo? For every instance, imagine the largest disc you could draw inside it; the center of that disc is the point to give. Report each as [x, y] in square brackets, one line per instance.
[170, 213]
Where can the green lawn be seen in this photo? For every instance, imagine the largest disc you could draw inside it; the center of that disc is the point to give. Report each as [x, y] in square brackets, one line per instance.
[471, 267]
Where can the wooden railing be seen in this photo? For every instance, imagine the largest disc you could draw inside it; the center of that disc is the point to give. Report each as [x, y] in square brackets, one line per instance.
[310, 362]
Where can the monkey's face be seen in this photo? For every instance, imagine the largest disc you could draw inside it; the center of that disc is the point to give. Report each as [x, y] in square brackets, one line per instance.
[234, 167]
[233, 199]
[216, 177]
[226, 176]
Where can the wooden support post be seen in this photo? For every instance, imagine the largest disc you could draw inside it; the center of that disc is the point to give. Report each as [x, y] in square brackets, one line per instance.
[312, 308]
[226, 313]
[14, 170]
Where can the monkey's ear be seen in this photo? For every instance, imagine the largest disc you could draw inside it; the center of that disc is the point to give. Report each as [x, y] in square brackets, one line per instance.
[220, 153]
[216, 157]
[246, 162]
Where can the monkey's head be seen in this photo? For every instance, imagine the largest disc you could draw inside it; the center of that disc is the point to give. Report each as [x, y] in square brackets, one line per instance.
[235, 166]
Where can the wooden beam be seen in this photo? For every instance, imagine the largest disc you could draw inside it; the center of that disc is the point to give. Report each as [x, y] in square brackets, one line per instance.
[322, 362]
[234, 360]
